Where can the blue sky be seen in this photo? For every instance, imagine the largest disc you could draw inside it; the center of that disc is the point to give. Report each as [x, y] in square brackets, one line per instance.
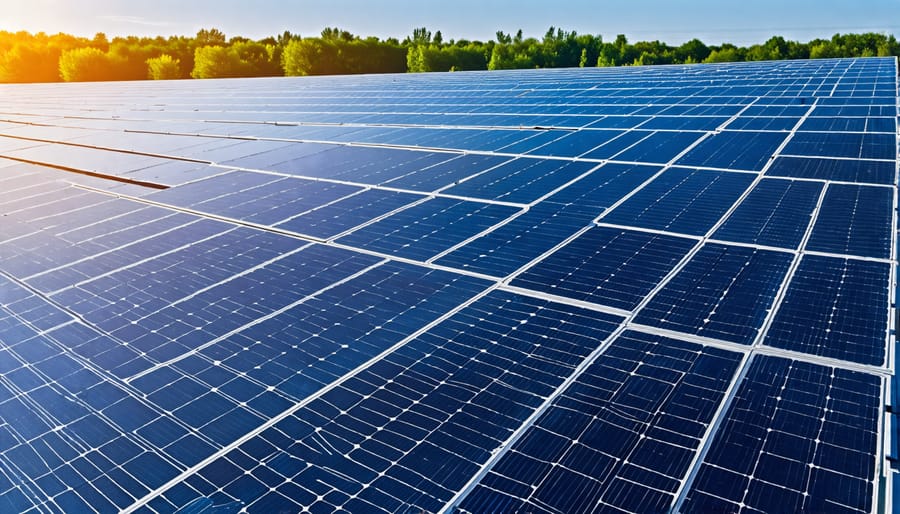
[672, 21]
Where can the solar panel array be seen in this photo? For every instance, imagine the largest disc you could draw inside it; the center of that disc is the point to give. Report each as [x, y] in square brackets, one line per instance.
[590, 290]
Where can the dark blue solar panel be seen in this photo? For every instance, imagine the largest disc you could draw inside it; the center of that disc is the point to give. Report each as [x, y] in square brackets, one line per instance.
[268, 366]
[358, 164]
[262, 155]
[684, 122]
[87, 236]
[608, 266]
[615, 121]
[854, 146]
[601, 189]
[147, 242]
[446, 173]
[548, 223]
[521, 180]
[530, 140]
[531, 234]
[21, 304]
[798, 437]
[735, 150]
[762, 123]
[347, 213]
[267, 204]
[834, 308]
[409, 431]
[828, 111]
[427, 229]
[854, 220]
[659, 147]
[775, 213]
[845, 170]
[621, 438]
[779, 111]
[724, 292]
[576, 143]
[71, 435]
[849, 125]
[610, 148]
[682, 200]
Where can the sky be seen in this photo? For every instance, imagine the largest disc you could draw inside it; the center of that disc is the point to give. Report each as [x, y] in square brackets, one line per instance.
[741, 22]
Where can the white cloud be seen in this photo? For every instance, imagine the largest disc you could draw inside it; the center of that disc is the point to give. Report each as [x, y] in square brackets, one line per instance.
[134, 20]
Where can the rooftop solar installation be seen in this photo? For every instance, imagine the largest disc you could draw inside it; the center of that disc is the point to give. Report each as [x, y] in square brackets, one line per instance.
[641, 289]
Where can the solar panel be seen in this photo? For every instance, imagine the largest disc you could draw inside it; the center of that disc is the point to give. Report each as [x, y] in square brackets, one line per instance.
[640, 289]
[799, 437]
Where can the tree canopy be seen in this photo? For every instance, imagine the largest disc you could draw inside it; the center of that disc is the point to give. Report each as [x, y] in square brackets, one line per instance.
[26, 57]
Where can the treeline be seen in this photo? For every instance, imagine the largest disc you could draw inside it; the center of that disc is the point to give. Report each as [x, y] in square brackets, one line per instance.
[559, 48]
[26, 57]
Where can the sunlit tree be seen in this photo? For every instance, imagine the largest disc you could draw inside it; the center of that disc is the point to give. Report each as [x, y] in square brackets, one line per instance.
[163, 67]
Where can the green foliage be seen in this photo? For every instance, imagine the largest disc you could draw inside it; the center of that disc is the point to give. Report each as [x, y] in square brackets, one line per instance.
[693, 51]
[211, 37]
[85, 65]
[30, 63]
[163, 67]
[724, 54]
[26, 57]
[334, 56]
[213, 62]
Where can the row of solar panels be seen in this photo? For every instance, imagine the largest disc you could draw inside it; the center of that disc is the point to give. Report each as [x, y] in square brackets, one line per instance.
[218, 392]
[382, 329]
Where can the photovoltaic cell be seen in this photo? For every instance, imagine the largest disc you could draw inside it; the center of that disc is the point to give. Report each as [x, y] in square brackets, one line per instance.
[659, 147]
[620, 438]
[845, 170]
[576, 143]
[762, 123]
[446, 173]
[723, 292]
[734, 150]
[775, 213]
[608, 266]
[267, 204]
[429, 228]
[521, 180]
[854, 220]
[332, 219]
[682, 200]
[798, 437]
[549, 223]
[850, 145]
[834, 308]
[617, 145]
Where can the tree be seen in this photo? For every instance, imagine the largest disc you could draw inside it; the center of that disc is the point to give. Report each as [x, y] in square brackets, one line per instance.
[219, 62]
[211, 37]
[100, 42]
[163, 67]
[727, 53]
[26, 62]
[693, 50]
[85, 65]
[420, 36]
